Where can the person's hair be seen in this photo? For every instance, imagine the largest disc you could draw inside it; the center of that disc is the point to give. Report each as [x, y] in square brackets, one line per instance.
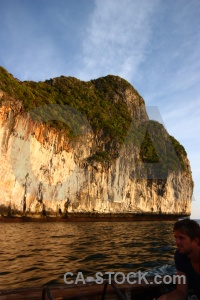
[189, 227]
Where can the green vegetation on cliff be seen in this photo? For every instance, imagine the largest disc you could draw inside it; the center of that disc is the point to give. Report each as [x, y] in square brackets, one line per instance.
[160, 151]
[102, 103]
[95, 99]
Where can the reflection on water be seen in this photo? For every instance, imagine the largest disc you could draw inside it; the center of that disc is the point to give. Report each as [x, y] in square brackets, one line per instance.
[33, 254]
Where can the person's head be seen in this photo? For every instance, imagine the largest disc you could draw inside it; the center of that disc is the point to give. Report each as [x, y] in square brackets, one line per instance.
[187, 235]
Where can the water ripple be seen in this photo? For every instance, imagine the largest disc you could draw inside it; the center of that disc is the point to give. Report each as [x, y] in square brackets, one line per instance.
[34, 254]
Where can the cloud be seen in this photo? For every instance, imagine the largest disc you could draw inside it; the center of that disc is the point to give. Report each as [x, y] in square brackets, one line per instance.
[182, 120]
[173, 62]
[116, 38]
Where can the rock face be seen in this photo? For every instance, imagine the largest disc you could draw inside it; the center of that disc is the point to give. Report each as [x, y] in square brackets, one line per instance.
[45, 171]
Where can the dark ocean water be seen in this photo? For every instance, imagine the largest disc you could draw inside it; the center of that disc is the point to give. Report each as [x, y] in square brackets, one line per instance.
[33, 254]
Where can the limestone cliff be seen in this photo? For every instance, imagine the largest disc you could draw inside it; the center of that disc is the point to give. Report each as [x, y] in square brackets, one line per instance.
[72, 146]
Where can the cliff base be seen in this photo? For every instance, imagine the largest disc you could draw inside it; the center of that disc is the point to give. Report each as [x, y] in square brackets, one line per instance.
[95, 217]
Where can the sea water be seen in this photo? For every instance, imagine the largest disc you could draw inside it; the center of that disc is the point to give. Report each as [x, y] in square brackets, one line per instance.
[34, 254]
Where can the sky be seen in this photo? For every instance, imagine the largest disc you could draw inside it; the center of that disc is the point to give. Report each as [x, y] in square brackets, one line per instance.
[153, 44]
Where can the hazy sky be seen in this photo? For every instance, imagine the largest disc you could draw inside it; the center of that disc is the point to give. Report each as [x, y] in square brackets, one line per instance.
[154, 44]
